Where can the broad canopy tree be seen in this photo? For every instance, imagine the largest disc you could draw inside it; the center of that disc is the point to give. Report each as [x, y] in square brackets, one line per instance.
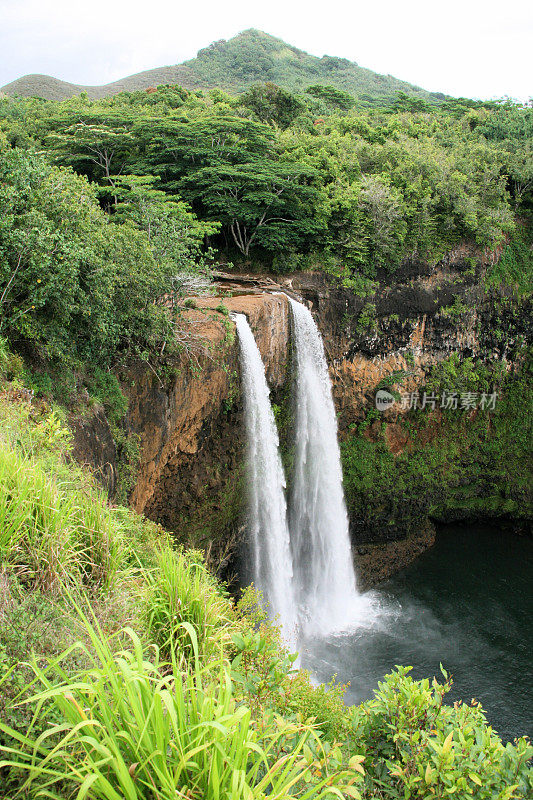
[261, 203]
[230, 170]
[97, 144]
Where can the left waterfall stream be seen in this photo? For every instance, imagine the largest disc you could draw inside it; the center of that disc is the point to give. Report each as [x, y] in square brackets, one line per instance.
[267, 507]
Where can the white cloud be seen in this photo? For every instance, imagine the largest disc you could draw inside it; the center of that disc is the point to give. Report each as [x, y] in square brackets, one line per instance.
[462, 47]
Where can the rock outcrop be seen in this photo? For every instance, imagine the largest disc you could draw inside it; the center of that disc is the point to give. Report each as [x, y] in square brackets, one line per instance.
[189, 426]
[189, 423]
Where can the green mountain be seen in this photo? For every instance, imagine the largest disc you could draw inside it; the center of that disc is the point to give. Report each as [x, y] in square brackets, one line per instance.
[250, 57]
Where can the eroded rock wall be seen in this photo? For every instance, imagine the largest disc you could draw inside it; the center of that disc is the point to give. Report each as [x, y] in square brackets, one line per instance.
[190, 428]
[404, 469]
[190, 425]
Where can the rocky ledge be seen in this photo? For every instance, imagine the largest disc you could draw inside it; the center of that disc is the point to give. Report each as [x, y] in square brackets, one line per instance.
[189, 423]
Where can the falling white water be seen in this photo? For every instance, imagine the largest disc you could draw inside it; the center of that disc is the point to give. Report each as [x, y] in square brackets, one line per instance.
[272, 563]
[324, 580]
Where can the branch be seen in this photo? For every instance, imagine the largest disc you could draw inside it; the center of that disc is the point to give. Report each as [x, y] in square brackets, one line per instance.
[12, 278]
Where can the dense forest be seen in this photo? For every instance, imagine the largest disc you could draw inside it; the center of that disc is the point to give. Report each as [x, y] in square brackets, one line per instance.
[150, 682]
[105, 204]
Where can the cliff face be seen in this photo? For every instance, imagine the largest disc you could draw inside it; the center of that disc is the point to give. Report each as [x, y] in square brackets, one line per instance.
[401, 470]
[427, 330]
[409, 325]
[190, 427]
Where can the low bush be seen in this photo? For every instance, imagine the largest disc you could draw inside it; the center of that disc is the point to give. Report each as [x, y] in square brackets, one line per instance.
[417, 747]
[11, 365]
[322, 703]
[105, 388]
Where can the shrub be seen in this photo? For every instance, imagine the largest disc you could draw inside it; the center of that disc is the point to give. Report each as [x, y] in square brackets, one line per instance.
[261, 667]
[104, 386]
[265, 670]
[11, 365]
[323, 704]
[222, 309]
[40, 383]
[417, 747]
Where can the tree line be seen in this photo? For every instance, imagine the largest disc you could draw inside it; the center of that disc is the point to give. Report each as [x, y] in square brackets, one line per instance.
[104, 203]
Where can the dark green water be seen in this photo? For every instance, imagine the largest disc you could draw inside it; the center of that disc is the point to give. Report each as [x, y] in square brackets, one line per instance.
[468, 603]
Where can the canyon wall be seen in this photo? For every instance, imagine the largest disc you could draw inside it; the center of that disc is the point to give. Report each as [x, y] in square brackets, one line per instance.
[434, 329]
[403, 468]
[189, 425]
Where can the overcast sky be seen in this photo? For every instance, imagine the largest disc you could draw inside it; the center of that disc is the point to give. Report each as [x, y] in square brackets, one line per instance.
[462, 47]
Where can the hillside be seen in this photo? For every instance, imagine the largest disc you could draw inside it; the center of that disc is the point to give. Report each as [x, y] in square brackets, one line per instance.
[250, 57]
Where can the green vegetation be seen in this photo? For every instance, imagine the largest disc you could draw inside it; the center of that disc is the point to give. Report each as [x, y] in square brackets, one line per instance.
[475, 463]
[126, 670]
[254, 56]
[148, 734]
[431, 749]
[277, 179]
[181, 593]
[235, 65]
[515, 266]
[77, 288]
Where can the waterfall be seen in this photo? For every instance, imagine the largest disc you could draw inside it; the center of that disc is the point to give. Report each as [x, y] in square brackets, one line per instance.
[301, 560]
[324, 580]
[269, 533]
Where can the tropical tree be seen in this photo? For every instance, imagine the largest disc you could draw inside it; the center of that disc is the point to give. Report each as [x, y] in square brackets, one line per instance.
[73, 286]
[261, 203]
[96, 143]
[272, 104]
[176, 237]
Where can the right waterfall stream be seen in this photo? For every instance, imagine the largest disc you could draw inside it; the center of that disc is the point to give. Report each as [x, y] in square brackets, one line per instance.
[324, 579]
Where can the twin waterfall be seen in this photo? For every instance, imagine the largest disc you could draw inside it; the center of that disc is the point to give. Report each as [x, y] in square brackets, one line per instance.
[301, 553]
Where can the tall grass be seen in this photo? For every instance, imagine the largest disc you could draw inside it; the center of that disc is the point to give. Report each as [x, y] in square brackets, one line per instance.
[164, 722]
[52, 535]
[129, 730]
[180, 590]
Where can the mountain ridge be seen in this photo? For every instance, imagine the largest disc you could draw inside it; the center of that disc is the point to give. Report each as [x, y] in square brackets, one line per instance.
[234, 65]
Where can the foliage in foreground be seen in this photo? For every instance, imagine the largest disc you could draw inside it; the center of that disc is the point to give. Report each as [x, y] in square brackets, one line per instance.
[130, 730]
[415, 746]
[132, 725]
[180, 592]
[142, 679]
